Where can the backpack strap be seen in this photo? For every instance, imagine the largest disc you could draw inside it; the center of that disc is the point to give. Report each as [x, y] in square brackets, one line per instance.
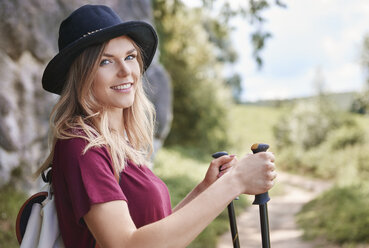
[25, 212]
[46, 177]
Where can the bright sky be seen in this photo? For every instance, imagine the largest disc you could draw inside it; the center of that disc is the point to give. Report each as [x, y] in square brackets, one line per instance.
[307, 35]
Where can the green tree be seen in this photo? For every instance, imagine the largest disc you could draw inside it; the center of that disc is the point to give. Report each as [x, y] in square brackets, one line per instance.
[200, 98]
[234, 82]
[251, 11]
[361, 102]
[195, 45]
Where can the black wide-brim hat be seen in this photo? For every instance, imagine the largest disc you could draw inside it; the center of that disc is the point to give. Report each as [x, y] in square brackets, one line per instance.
[90, 25]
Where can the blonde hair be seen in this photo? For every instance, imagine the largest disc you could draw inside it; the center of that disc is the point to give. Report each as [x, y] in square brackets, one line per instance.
[78, 114]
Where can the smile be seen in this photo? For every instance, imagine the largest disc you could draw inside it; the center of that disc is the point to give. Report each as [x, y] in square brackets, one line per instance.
[125, 86]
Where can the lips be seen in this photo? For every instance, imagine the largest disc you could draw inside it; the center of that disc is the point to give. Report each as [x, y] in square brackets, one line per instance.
[124, 86]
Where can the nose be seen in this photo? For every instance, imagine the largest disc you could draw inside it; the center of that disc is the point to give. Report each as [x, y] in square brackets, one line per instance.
[124, 69]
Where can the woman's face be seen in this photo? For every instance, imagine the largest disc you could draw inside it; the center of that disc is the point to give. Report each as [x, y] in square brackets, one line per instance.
[117, 75]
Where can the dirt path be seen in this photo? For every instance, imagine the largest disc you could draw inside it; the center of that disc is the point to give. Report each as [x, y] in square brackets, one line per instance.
[282, 209]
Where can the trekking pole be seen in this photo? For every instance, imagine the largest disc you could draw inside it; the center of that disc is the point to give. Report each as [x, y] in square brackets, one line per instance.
[231, 213]
[262, 200]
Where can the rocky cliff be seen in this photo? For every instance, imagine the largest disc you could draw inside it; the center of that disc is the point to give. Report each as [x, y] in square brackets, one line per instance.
[29, 31]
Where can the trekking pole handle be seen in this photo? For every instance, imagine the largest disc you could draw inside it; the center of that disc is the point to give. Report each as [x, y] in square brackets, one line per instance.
[260, 199]
[218, 155]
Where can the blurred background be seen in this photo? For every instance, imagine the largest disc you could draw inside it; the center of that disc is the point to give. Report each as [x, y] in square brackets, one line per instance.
[293, 74]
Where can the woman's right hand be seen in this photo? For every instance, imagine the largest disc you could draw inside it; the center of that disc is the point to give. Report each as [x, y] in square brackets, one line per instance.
[255, 173]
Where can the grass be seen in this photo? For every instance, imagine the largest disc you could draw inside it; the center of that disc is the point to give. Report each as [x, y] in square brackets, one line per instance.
[345, 220]
[339, 215]
[253, 124]
[11, 201]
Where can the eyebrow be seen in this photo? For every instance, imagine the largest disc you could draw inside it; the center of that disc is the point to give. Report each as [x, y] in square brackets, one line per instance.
[128, 52]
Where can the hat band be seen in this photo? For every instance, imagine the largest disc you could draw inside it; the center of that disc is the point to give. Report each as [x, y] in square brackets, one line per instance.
[89, 33]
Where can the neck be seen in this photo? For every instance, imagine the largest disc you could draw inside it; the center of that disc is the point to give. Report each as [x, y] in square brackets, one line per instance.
[116, 119]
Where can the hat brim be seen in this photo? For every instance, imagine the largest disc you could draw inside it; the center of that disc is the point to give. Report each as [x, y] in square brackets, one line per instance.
[142, 33]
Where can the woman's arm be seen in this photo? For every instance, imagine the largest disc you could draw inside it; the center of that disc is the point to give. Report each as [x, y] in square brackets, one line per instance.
[216, 169]
[112, 225]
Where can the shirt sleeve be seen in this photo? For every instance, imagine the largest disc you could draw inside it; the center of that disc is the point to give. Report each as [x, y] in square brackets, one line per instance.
[89, 177]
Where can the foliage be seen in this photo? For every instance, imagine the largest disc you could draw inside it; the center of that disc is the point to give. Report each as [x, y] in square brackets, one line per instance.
[323, 162]
[339, 215]
[251, 11]
[200, 97]
[306, 125]
[195, 44]
[252, 124]
[339, 158]
[365, 56]
[317, 140]
[325, 217]
[345, 136]
[314, 138]
[11, 201]
[361, 102]
[234, 82]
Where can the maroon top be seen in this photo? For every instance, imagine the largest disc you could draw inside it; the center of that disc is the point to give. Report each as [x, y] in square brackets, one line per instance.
[80, 181]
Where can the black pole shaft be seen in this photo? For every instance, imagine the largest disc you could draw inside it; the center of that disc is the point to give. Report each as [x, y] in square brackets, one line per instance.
[264, 224]
[262, 200]
[233, 225]
[231, 213]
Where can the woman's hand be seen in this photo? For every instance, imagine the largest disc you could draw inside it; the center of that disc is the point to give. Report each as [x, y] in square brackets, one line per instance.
[217, 168]
[255, 173]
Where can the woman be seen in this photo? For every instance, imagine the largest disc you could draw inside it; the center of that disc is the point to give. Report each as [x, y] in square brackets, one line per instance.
[102, 131]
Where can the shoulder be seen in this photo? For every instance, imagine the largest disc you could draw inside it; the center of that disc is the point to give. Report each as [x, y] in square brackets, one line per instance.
[72, 155]
[73, 148]
[71, 145]
[74, 139]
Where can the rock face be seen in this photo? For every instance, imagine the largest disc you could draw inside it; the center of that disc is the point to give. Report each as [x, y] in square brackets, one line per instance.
[29, 32]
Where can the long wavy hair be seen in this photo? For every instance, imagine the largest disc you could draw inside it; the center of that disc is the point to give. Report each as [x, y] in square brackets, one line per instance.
[78, 114]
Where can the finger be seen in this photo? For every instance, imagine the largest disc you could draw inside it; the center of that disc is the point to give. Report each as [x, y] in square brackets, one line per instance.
[225, 166]
[271, 175]
[266, 155]
[221, 161]
[270, 166]
[234, 160]
[224, 159]
[221, 173]
[229, 164]
[270, 185]
[270, 156]
[275, 174]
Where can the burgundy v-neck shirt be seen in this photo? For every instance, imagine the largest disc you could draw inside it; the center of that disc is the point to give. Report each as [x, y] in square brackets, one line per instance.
[80, 181]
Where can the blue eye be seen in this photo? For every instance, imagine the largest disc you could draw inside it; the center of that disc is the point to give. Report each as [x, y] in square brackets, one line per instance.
[105, 62]
[130, 57]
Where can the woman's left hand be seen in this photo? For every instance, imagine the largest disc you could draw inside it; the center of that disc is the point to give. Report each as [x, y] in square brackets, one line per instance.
[218, 167]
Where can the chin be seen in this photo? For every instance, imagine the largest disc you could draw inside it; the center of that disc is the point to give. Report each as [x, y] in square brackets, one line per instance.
[126, 105]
